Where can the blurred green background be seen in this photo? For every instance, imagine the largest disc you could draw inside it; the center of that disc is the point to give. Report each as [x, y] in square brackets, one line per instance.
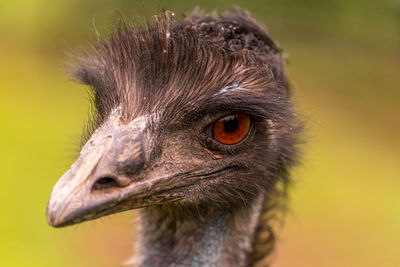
[344, 62]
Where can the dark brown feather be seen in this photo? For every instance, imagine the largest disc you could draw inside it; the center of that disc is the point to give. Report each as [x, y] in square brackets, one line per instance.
[176, 68]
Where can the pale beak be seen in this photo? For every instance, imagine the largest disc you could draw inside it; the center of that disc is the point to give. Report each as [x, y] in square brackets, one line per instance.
[105, 179]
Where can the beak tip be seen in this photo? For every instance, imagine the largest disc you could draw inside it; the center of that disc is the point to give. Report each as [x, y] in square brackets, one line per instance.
[51, 219]
[56, 222]
[51, 222]
[53, 215]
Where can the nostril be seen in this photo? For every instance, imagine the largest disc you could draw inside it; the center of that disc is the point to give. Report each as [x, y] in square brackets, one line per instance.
[105, 183]
[105, 180]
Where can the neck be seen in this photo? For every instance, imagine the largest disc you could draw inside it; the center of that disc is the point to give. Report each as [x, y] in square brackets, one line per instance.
[174, 236]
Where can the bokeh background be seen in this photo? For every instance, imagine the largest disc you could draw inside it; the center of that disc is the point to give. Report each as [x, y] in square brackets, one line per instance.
[344, 63]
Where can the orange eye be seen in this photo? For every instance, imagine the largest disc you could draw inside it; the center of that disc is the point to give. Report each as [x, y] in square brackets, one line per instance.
[231, 129]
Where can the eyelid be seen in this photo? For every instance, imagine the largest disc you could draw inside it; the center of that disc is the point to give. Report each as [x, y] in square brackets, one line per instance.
[206, 112]
[208, 130]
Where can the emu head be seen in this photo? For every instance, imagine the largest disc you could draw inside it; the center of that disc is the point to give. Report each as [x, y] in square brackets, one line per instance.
[188, 113]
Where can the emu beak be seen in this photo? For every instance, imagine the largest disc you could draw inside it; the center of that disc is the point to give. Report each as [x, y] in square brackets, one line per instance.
[105, 178]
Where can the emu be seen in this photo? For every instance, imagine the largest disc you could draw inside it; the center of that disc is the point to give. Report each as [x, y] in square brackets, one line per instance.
[194, 124]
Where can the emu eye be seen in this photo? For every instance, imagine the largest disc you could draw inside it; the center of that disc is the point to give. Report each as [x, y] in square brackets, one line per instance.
[231, 129]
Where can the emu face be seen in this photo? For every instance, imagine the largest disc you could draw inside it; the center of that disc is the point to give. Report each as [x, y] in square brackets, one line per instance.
[190, 113]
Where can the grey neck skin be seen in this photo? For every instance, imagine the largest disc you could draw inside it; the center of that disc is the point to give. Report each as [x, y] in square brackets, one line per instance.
[220, 238]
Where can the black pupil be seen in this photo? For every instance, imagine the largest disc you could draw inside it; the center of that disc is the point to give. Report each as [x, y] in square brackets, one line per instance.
[231, 125]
